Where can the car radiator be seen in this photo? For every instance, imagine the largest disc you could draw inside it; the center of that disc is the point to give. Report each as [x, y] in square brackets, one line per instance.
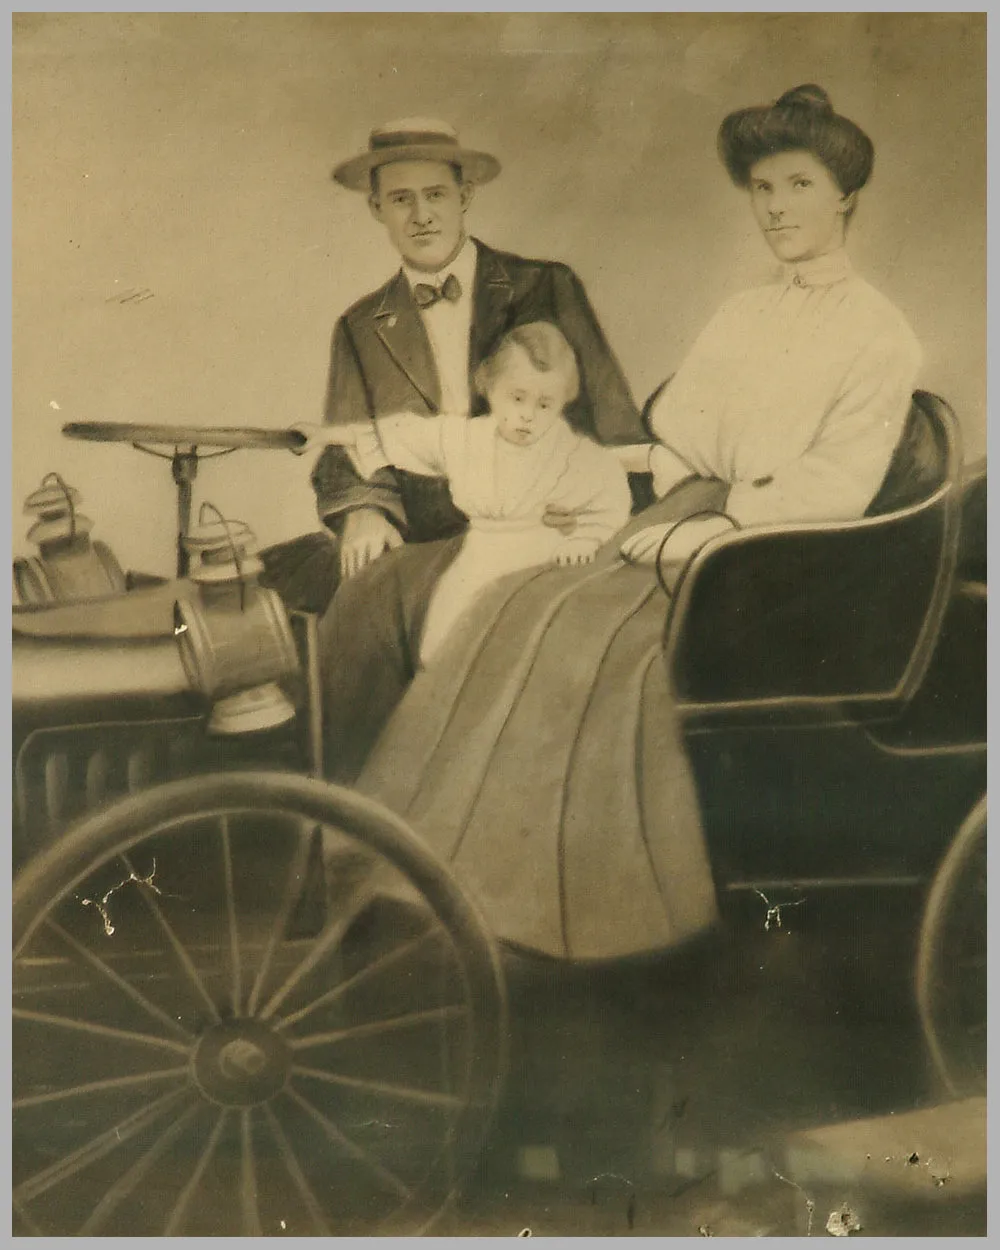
[63, 773]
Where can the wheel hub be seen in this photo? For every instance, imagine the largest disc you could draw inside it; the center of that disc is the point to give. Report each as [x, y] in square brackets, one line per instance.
[240, 1063]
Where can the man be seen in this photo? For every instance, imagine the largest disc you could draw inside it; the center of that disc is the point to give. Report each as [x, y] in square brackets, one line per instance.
[414, 344]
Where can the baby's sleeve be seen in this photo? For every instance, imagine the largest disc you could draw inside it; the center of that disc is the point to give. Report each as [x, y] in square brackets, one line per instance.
[406, 441]
[597, 492]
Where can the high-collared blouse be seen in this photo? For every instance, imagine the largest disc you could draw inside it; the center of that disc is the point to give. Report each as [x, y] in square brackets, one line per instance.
[796, 393]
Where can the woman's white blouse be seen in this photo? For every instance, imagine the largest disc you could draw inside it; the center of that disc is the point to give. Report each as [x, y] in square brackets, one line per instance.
[796, 393]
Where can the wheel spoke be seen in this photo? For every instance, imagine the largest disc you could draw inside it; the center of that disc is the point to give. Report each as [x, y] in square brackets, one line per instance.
[98, 964]
[176, 1218]
[249, 1211]
[370, 970]
[234, 938]
[328, 940]
[183, 958]
[93, 1087]
[297, 1175]
[95, 1149]
[376, 1027]
[339, 1138]
[293, 883]
[425, 1097]
[125, 1185]
[98, 1030]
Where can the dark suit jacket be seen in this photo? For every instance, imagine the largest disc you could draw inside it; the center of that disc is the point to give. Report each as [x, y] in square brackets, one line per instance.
[381, 362]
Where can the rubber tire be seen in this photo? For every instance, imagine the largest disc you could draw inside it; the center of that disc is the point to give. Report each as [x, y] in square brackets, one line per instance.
[962, 1071]
[117, 828]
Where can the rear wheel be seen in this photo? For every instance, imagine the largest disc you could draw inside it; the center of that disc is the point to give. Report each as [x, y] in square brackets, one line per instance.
[184, 1063]
[951, 961]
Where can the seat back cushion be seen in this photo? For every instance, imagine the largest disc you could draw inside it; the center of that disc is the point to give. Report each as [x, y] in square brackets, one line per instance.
[919, 465]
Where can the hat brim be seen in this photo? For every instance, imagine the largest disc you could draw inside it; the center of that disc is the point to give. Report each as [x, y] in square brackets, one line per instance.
[477, 167]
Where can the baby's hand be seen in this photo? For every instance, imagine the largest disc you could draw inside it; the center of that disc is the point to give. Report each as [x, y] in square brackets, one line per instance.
[576, 551]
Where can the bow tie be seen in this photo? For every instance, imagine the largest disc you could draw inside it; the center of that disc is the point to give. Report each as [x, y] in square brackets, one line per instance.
[427, 295]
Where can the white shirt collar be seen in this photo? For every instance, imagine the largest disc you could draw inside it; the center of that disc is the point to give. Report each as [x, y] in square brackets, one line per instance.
[463, 267]
[821, 270]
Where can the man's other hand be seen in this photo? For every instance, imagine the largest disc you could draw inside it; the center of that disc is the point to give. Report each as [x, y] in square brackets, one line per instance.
[312, 437]
[367, 534]
[561, 519]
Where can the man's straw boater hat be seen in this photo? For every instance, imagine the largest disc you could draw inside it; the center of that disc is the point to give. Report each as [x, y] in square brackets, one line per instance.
[414, 139]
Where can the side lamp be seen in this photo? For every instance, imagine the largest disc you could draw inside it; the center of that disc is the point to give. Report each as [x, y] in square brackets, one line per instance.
[233, 634]
[69, 566]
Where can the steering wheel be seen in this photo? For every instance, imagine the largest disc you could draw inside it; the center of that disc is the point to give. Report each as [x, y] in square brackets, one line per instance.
[241, 437]
[185, 457]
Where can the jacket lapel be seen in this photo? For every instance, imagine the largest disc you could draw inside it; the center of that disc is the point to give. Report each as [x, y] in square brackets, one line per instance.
[401, 331]
[494, 290]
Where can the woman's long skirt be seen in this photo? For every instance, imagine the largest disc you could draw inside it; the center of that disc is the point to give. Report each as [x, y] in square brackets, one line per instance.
[540, 754]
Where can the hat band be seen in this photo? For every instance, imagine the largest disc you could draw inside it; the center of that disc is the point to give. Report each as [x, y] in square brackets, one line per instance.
[411, 138]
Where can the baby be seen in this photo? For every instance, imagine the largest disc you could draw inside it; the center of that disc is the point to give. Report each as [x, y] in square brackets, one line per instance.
[504, 470]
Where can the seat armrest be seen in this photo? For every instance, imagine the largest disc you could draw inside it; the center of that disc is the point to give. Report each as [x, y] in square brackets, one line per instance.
[814, 612]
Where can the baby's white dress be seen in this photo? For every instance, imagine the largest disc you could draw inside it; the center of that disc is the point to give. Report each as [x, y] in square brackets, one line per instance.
[504, 490]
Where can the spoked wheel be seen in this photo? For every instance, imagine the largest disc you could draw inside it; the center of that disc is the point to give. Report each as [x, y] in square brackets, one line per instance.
[951, 961]
[185, 1064]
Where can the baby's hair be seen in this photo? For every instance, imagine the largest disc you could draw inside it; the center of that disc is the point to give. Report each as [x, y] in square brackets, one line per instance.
[547, 349]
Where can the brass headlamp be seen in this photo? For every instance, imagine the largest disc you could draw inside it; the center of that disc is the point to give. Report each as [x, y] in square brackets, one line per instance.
[234, 637]
[69, 565]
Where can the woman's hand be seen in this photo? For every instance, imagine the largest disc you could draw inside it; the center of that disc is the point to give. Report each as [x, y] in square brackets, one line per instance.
[687, 537]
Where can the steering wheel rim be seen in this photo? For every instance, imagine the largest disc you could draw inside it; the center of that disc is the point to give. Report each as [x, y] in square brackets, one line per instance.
[230, 437]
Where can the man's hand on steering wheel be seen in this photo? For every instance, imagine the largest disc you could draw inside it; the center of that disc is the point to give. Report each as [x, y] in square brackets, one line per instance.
[367, 534]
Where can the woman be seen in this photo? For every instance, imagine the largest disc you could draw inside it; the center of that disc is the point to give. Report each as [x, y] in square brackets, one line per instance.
[795, 393]
[542, 755]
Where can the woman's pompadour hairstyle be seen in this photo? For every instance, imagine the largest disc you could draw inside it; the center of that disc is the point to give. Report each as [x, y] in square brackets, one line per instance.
[803, 119]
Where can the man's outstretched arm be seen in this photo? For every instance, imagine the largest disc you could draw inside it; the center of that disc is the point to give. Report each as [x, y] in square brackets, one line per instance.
[339, 489]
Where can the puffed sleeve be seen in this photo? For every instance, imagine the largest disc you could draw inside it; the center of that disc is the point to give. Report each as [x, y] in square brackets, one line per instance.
[596, 491]
[682, 417]
[840, 473]
[416, 444]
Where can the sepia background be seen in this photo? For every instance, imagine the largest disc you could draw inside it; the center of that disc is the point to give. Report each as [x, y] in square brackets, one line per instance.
[181, 254]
